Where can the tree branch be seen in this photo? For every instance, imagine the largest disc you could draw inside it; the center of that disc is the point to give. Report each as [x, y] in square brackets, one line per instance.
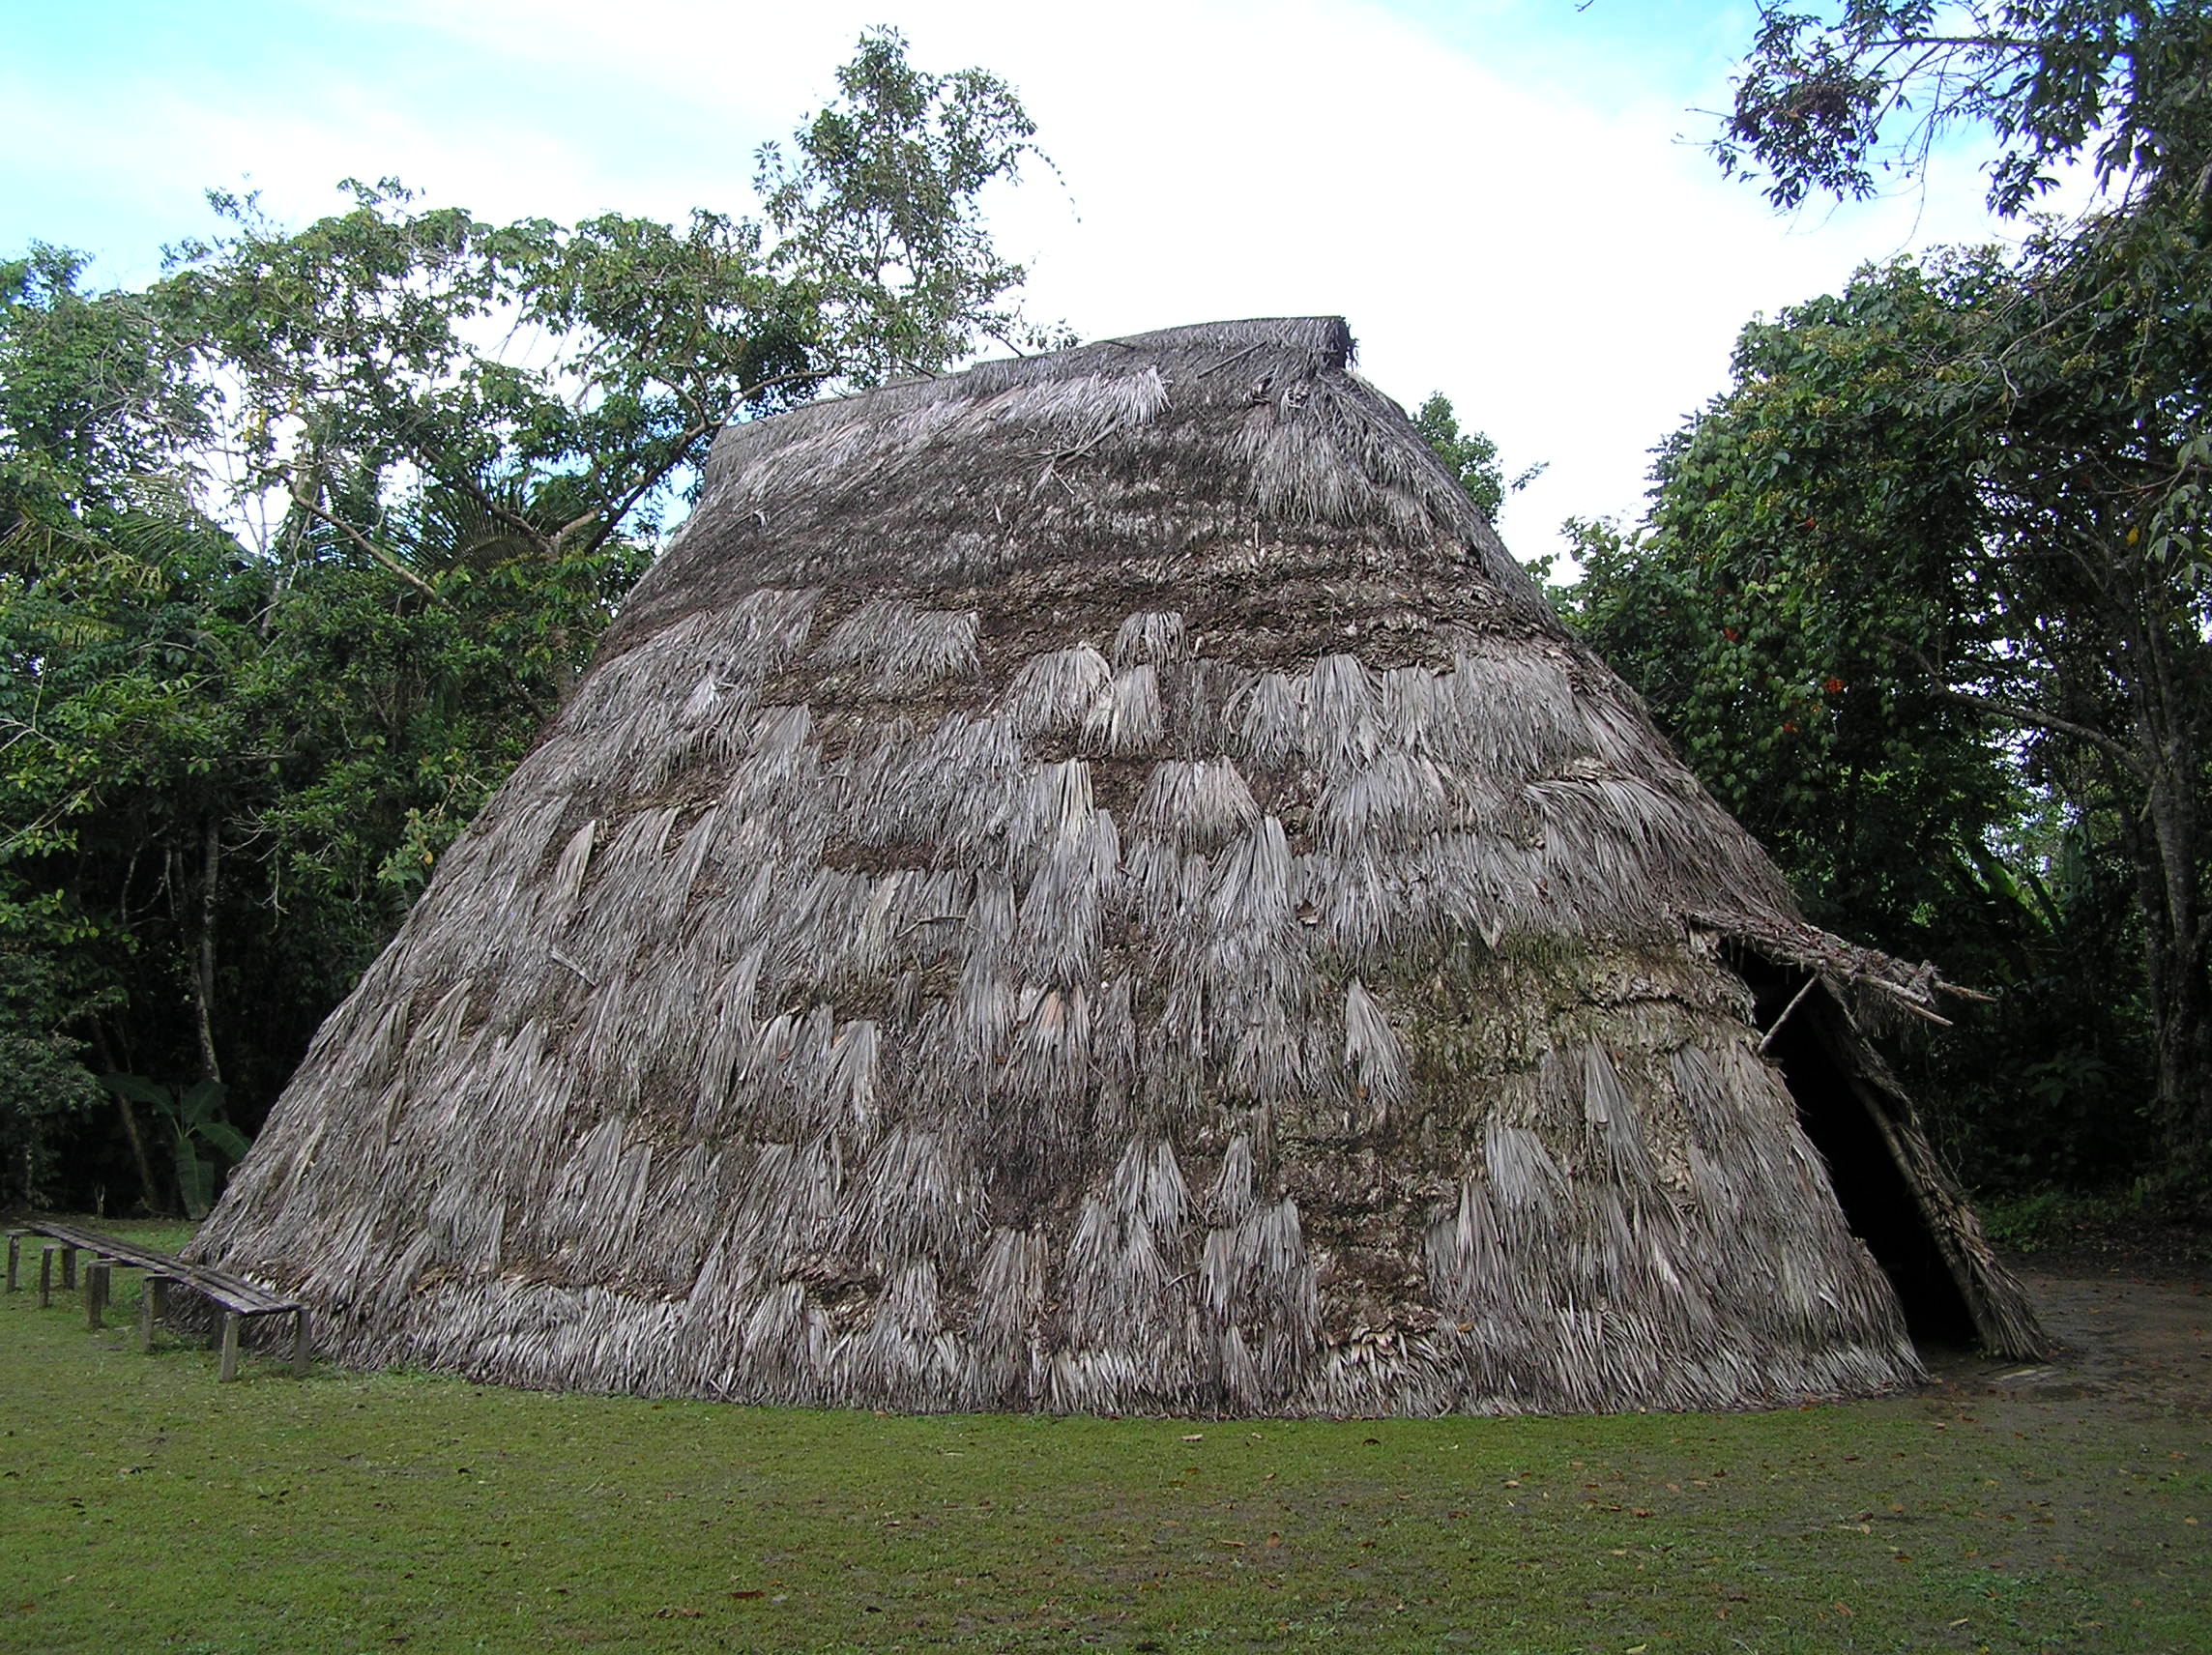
[467, 484]
[367, 545]
[645, 485]
[2118, 750]
[704, 428]
[2006, 43]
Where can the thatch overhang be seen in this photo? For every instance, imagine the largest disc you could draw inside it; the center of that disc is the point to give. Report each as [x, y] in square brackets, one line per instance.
[1098, 884]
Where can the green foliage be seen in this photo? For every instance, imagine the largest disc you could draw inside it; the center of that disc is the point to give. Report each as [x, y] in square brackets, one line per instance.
[1894, 603]
[1830, 99]
[192, 1117]
[113, 668]
[878, 209]
[1978, 485]
[1470, 456]
[89, 396]
[42, 1079]
[1800, 531]
[301, 545]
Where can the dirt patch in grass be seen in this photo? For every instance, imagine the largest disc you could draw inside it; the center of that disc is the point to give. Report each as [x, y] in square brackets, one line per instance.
[2130, 1343]
[2056, 1508]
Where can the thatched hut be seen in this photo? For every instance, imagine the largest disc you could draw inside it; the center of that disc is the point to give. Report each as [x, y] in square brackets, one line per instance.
[1097, 884]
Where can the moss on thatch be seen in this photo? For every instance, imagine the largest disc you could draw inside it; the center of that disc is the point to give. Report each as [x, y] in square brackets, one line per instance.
[1094, 884]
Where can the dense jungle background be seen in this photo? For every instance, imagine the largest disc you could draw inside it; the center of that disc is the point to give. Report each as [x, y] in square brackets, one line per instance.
[301, 544]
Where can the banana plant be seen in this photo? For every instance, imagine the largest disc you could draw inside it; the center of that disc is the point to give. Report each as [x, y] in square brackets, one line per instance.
[193, 1117]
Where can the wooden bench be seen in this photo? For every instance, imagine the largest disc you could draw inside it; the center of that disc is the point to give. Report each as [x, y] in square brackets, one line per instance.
[237, 1299]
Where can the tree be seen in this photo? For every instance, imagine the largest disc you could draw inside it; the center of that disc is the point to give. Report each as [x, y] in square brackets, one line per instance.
[1470, 456]
[304, 544]
[2049, 457]
[104, 690]
[1827, 100]
[43, 1077]
[1914, 598]
[878, 211]
[445, 395]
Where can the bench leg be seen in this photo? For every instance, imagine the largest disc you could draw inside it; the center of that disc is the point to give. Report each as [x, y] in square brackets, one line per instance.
[69, 1270]
[150, 1293]
[229, 1369]
[300, 1348]
[46, 1252]
[96, 1278]
[15, 1258]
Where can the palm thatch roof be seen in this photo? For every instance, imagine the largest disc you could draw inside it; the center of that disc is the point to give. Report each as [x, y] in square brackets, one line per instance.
[1097, 884]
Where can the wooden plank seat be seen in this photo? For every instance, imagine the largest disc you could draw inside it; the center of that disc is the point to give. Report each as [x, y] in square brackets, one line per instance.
[237, 1299]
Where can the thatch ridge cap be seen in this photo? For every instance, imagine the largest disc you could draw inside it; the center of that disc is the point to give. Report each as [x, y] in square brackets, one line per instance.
[1334, 448]
[1328, 337]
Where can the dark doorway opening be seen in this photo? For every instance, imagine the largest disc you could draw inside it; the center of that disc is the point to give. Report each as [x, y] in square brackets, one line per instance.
[1877, 1197]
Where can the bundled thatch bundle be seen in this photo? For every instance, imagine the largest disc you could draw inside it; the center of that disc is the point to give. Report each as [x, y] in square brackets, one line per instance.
[1095, 883]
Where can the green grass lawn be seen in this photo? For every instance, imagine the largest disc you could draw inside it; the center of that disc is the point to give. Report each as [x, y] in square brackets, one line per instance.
[144, 1507]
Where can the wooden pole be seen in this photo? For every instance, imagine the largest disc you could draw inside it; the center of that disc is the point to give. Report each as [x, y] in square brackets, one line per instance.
[69, 1270]
[46, 1252]
[229, 1369]
[95, 1295]
[148, 1307]
[14, 1258]
[1774, 1029]
[302, 1351]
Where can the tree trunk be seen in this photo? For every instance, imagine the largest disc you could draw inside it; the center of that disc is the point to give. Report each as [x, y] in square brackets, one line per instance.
[565, 674]
[203, 971]
[150, 1194]
[2185, 1077]
[2180, 996]
[2168, 665]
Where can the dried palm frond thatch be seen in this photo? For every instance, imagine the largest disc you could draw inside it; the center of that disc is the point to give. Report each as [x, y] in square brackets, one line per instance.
[1097, 884]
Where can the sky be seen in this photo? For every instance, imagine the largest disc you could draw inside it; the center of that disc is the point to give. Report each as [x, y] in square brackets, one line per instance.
[1509, 200]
